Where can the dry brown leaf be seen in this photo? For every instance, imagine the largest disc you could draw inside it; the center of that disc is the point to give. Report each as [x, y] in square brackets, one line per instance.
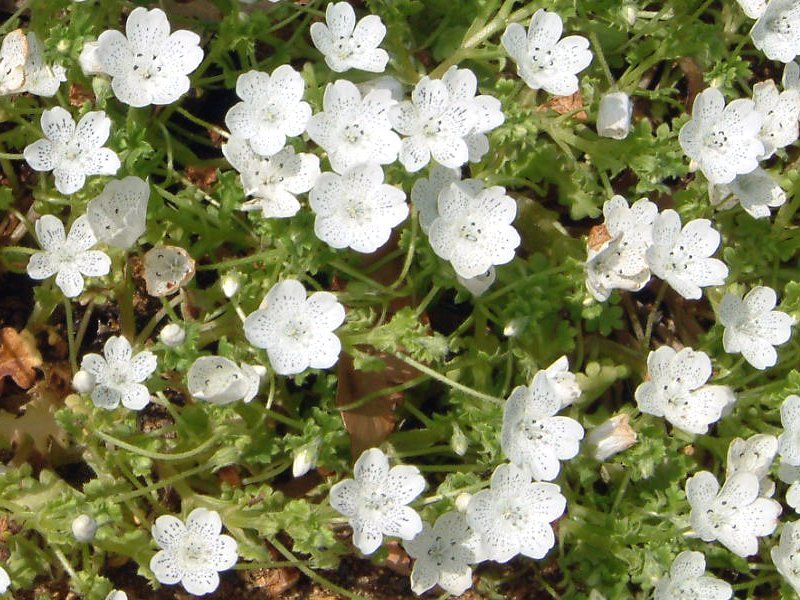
[79, 95]
[19, 357]
[275, 581]
[202, 177]
[566, 104]
[598, 235]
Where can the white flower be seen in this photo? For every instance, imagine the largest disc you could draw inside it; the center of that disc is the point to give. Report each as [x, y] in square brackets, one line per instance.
[67, 256]
[563, 381]
[611, 437]
[271, 110]
[118, 215]
[71, 152]
[543, 60]
[172, 335]
[83, 382]
[119, 375]
[116, 595]
[375, 501]
[753, 8]
[350, 45]
[5, 581]
[514, 516]
[192, 553]
[426, 190]
[473, 230]
[352, 129]
[780, 111]
[272, 182]
[754, 455]
[687, 581]
[296, 331]
[735, 516]
[83, 528]
[305, 457]
[532, 437]
[41, 79]
[385, 82]
[89, 60]
[752, 327]
[614, 115]
[789, 440]
[676, 390]
[219, 380]
[478, 285]
[722, 140]
[756, 191]
[166, 269]
[150, 65]
[777, 31]
[786, 555]
[443, 554]
[13, 54]
[356, 209]
[681, 256]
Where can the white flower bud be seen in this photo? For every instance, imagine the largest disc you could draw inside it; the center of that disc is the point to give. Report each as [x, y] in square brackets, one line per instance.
[614, 115]
[88, 60]
[230, 284]
[629, 12]
[611, 437]
[83, 382]
[172, 335]
[83, 528]
[305, 458]
[462, 501]
[117, 595]
[459, 441]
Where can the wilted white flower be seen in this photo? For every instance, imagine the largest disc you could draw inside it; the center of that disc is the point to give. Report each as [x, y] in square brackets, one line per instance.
[375, 501]
[563, 381]
[118, 215]
[722, 140]
[678, 392]
[473, 230]
[219, 380]
[754, 455]
[752, 327]
[297, 332]
[67, 256]
[756, 191]
[789, 440]
[736, 516]
[350, 45]
[150, 65]
[777, 31]
[193, 553]
[614, 115]
[119, 375]
[443, 554]
[83, 382]
[478, 285]
[40, 79]
[72, 152]
[543, 60]
[532, 437]
[356, 209]
[172, 335]
[166, 269]
[681, 256]
[687, 581]
[780, 111]
[84, 528]
[786, 555]
[611, 437]
[271, 110]
[352, 129]
[514, 515]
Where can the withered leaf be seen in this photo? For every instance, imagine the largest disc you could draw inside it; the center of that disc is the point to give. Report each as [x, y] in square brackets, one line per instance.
[19, 357]
[38, 422]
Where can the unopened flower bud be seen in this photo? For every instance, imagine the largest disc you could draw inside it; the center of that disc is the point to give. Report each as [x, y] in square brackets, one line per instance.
[117, 595]
[172, 335]
[230, 284]
[83, 382]
[629, 12]
[459, 441]
[88, 60]
[614, 115]
[462, 501]
[305, 458]
[611, 437]
[83, 528]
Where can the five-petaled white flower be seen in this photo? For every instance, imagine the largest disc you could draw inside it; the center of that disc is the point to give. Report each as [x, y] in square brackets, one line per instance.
[352, 129]
[780, 111]
[148, 65]
[356, 209]
[514, 515]
[375, 501]
[753, 328]
[192, 554]
[681, 256]
[756, 191]
[532, 437]
[777, 31]
[789, 440]
[736, 515]
[72, 152]
[273, 182]
[473, 230]
[443, 555]
[118, 375]
[118, 215]
[543, 60]
[350, 45]
[67, 256]
[219, 380]
[754, 455]
[271, 110]
[786, 555]
[687, 581]
[678, 392]
[40, 79]
[297, 332]
[723, 141]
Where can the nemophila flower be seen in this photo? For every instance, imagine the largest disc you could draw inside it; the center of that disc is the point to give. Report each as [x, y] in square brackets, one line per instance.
[478, 285]
[754, 455]
[611, 437]
[40, 79]
[514, 515]
[680, 256]
[777, 31]
[116, 595]
[532, 437]
[191, 554]
[756, 191]
[271, 110]
[84, 528]
[543, 60]
[780, 111]
[305, 457]
[723, 141]
[752, 327]
[219, 380]
[167, 269]
[352, 129]
[72, 152]
[350, 45]
[118, 215]
[677, 390]
[273, 182]
[119, 375]
[614, 115]
[297, 332]
[736, 515]
[148, 65]
[13, 54]
[443, 554]
[68, 257]
[789, 440]
[687, 581]
[426, 190]
[356, 209]
[473, 230]
[786, 555]
[563, 381]
[375, 501]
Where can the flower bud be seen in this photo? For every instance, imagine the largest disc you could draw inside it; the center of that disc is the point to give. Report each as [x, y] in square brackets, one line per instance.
[172, 335]
[83, 528]
[230, 283]
[305, 457]
[611, 437]
[614, 115]
[117, 595]
[459, 441]
[629, 12]
[88, 60]
[462, 501]
[83, 382]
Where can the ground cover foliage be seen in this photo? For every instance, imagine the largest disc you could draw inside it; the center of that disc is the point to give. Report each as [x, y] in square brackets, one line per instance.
[426, 365]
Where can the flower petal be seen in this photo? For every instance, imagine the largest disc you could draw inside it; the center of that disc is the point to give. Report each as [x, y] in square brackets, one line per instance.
[204, 523]
[165, 566]
[168, 531]
[69, 280]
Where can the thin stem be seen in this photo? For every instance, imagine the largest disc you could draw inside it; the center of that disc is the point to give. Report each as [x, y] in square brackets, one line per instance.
[162, 483]
[73, 352]
[205, 124]
[84, 324]
[598, 50]
[651, 318]
[156, 455]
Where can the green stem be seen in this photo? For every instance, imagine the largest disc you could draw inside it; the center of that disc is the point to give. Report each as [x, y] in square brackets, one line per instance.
[156, 455]
[651, 317]
[73, 352]
[166, 482]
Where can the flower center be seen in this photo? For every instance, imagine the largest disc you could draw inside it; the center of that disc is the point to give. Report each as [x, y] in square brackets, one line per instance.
[470, 230]
[353, 133]
[780, 24]
[145, 65]
[716, 139]
[193, 554]
[513, 515]
[357, 209]
[542, 58]
[296, 329]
